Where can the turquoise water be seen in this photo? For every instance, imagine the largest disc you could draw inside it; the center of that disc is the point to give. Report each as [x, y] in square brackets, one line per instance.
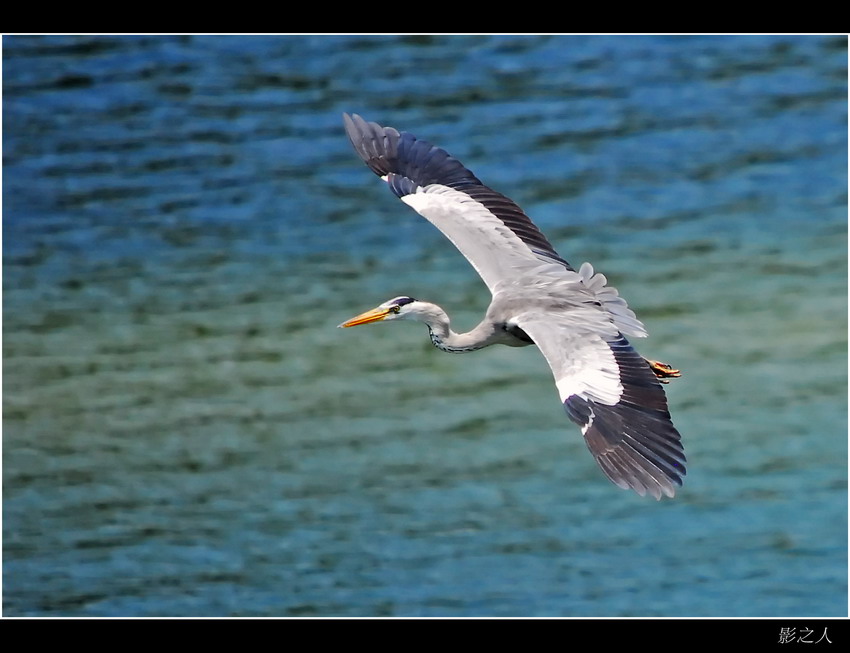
[187, 433]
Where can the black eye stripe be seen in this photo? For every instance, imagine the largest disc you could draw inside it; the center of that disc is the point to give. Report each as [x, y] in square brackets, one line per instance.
[401, 301]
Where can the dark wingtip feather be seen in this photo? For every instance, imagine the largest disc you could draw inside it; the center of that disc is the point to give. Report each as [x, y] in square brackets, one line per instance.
[636, 451]
[634, 441]
[386, 150]
[376, 145]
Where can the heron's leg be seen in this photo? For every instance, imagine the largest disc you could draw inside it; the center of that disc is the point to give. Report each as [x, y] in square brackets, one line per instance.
[663, 371]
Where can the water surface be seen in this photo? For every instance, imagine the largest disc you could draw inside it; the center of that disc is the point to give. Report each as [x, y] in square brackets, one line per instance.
[186, 433]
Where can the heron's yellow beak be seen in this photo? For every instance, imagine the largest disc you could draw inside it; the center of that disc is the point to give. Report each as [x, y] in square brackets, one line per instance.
[375, 315]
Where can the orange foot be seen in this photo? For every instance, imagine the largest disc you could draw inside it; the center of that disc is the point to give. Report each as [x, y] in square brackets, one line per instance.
[663, 371]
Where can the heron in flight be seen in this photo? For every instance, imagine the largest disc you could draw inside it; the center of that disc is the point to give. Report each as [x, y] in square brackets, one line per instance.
[578, 322]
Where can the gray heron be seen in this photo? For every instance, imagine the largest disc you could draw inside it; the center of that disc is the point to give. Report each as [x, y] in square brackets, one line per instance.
[579, 323]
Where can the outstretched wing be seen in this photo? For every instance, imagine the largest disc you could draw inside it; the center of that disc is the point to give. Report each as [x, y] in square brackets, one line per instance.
[609, 390]
[489, 229]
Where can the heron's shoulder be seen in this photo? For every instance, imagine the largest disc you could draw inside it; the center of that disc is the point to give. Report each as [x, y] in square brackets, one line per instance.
[573, 300]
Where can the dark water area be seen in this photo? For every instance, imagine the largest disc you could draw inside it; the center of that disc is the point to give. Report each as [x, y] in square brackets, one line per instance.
[187, 433]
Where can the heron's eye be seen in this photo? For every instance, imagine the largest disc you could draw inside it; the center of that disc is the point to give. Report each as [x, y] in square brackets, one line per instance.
[395, 309]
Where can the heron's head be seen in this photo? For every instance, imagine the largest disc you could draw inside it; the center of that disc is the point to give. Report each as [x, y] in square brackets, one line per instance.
[397, 308]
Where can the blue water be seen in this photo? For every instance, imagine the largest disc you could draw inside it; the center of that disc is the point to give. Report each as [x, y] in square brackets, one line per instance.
[186, 432]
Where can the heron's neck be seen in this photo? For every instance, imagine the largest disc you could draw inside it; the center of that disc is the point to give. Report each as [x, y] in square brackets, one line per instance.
[444, 338]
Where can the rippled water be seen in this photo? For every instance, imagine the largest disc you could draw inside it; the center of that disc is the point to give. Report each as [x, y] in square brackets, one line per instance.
[186, 433]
